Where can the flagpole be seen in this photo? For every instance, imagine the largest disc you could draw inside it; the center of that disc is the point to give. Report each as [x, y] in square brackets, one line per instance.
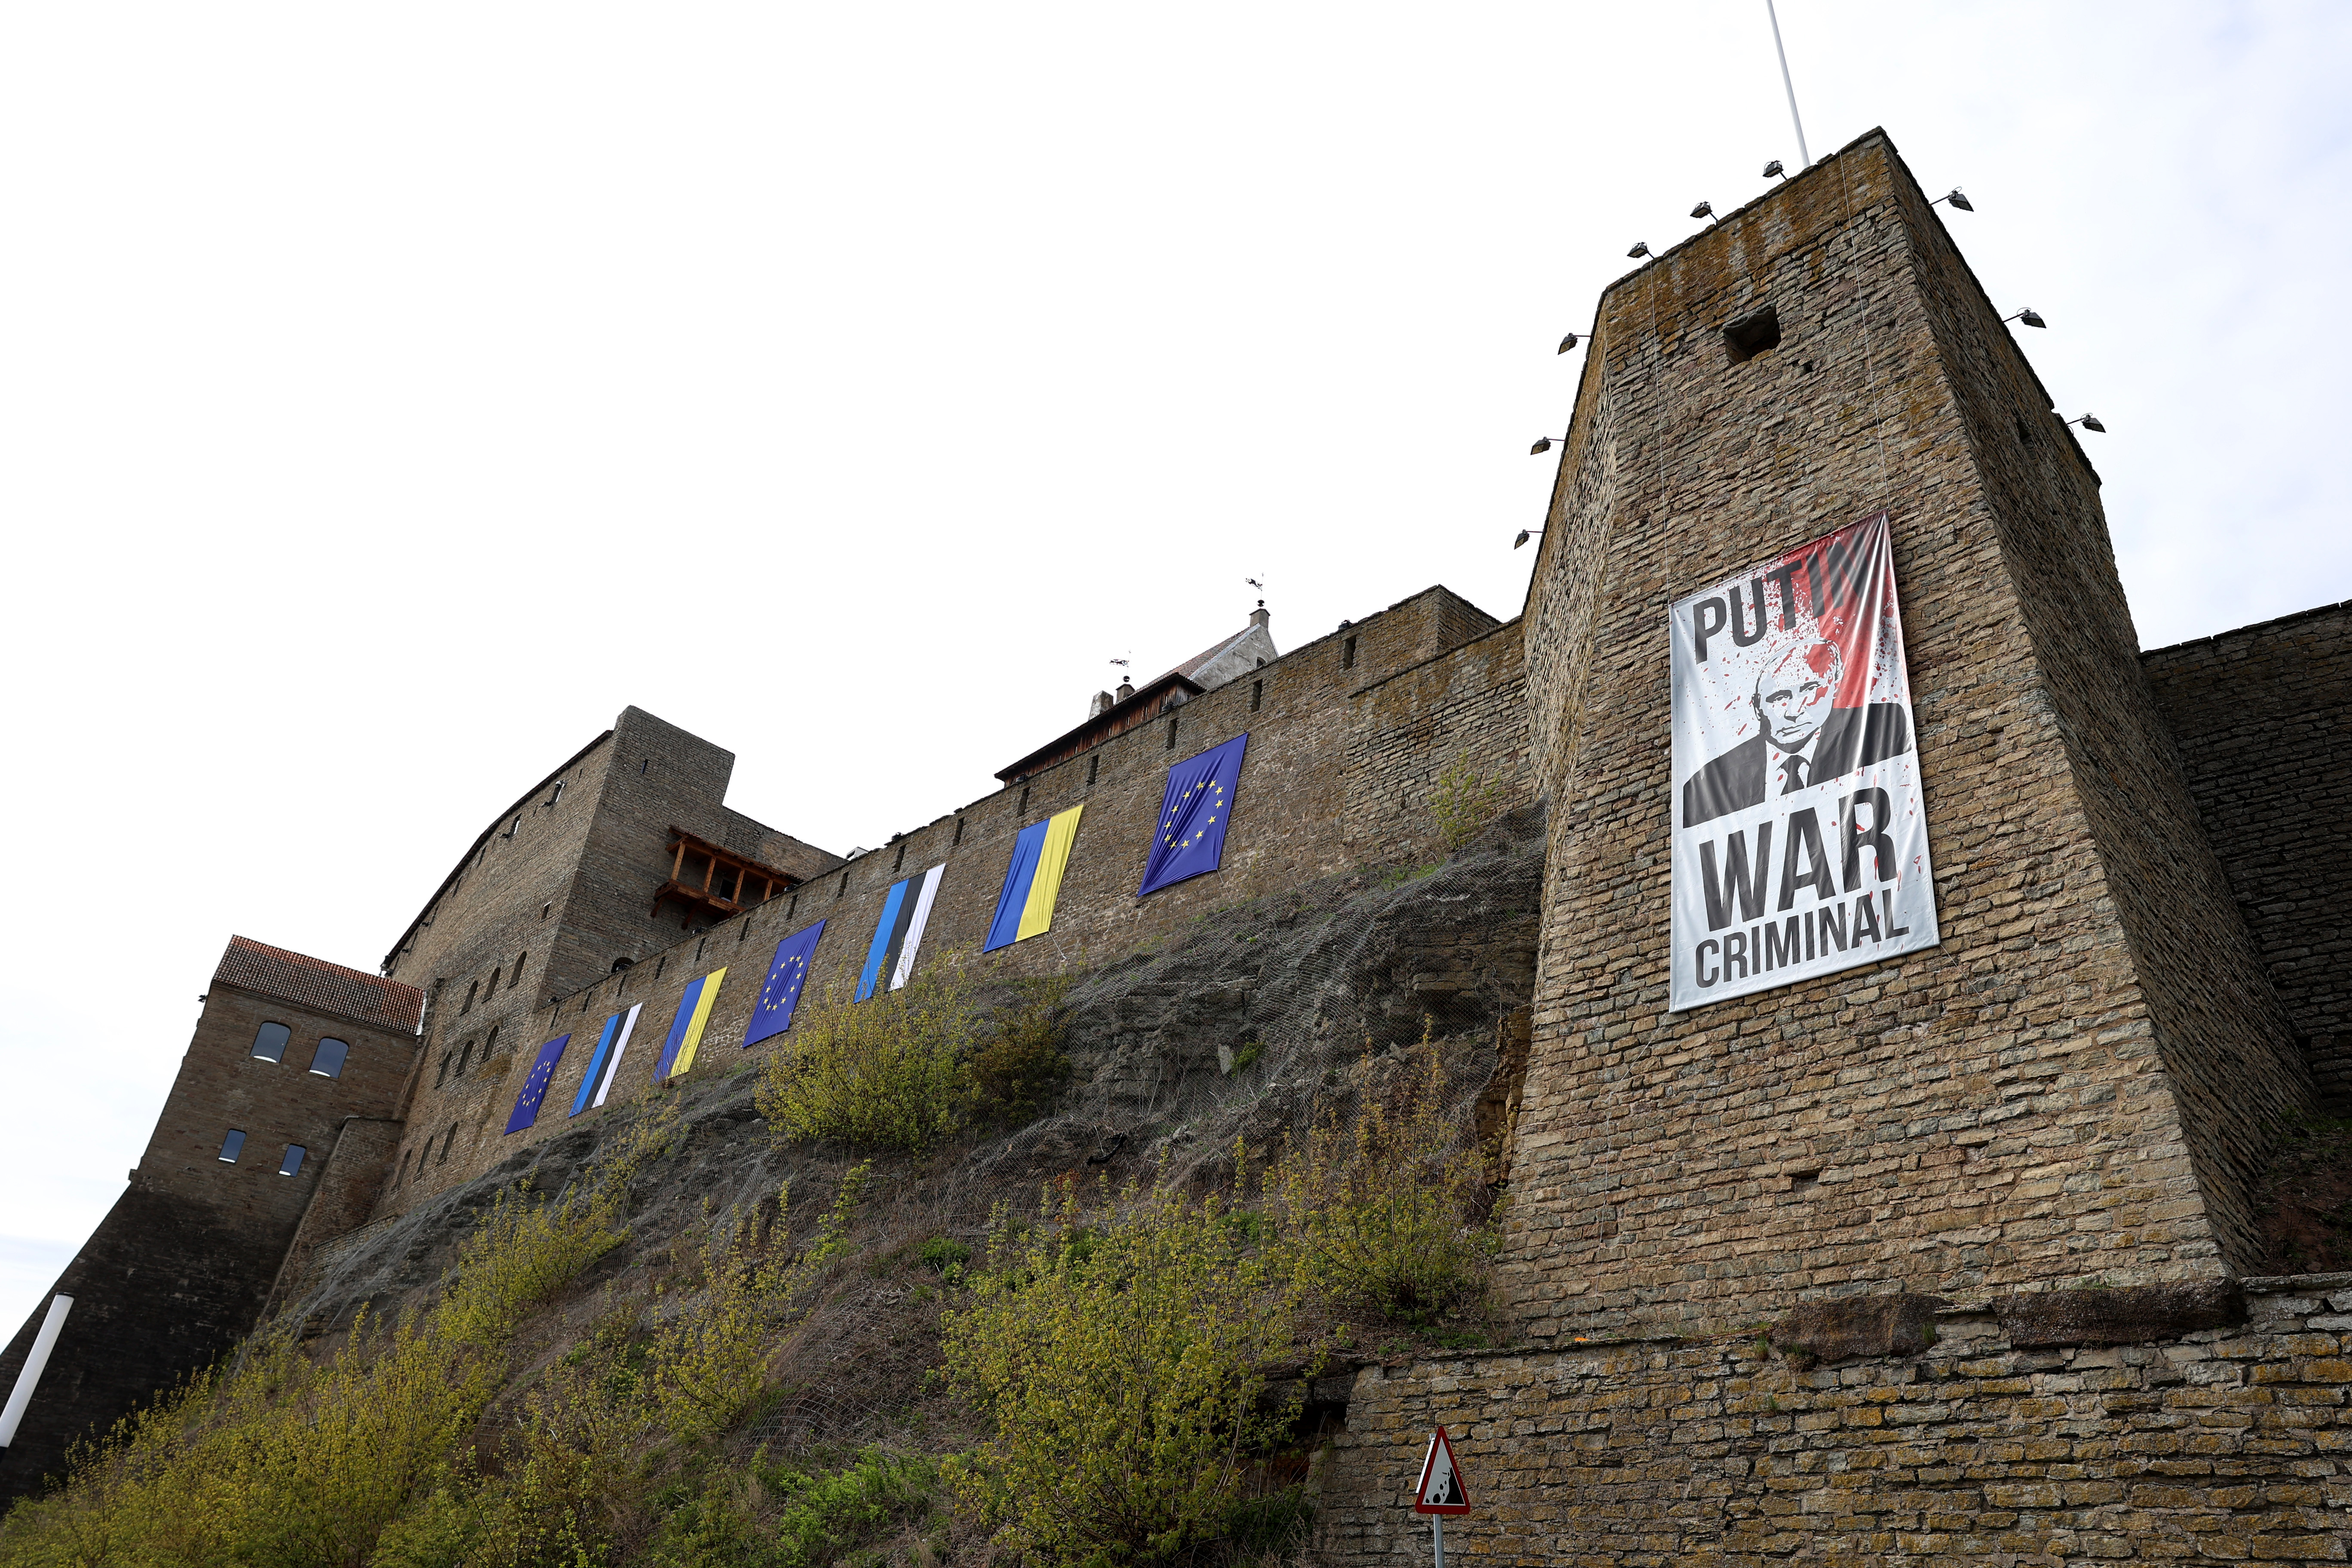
[1804, 157]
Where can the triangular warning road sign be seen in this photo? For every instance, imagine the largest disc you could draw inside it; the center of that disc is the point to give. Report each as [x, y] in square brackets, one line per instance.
[1441, 1489]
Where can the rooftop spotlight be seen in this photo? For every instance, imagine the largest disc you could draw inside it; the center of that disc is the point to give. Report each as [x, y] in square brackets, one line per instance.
[1573, 339]
[2089, 421]
[1956, 199]
[1641, 248]
[1524, 534]
[1703, 209]
[1773, 168]
[2029, 315]
[1542, 445]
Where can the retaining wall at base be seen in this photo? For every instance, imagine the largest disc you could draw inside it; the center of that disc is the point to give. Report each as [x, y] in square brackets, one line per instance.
[2232, 1444]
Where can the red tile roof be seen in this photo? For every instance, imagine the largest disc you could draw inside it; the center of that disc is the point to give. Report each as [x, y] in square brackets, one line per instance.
[314, 982]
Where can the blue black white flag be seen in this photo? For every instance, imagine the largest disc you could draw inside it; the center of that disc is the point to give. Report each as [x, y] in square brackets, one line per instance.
[898, 933]
[534, 1088]
[772, 1013]
[1194, 811]
[606, 1061]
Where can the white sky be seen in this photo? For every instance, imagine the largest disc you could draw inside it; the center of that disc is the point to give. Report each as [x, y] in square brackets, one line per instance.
[393, 394]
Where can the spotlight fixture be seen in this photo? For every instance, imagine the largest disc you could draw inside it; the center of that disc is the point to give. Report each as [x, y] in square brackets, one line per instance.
[1773, 168]
[2029, 315]
[1542, 445]
[2089, 421]
[1703, 209]
[1524, 534]
[1956, 199]
[1573, 339]
[1641, 248]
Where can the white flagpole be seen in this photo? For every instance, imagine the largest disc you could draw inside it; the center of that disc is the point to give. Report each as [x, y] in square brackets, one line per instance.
[1803, 157]
[28, 1377]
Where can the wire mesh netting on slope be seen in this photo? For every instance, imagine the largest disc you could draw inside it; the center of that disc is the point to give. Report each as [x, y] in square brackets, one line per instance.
[1255, 1022]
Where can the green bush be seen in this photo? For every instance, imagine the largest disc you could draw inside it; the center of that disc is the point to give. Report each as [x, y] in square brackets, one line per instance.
[1379, 1205]
[885, 1073]
[772, 1516]
[1019, 1070]
[1122, 1365]
[1463, 802]
[941, 1255]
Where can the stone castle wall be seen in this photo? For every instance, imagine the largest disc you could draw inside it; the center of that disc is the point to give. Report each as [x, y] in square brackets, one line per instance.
[2230, 1443]
[1989, 1113]
[1347, 736]
[2262, 718]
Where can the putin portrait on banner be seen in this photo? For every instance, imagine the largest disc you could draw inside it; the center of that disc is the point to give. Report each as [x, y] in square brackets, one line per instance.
[1804, 739]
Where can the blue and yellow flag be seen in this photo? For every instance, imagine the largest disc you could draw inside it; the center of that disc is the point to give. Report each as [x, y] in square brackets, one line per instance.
[1194, 811]
[534, 1088]
[772, 1013]
[686, 1029]
[1025, 907]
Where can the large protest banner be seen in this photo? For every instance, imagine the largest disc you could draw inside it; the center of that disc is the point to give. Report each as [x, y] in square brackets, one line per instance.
[1800, 837]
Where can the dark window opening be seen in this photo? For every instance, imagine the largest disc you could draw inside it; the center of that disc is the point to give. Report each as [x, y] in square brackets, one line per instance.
[327, 1061]
[1259, 665]
[1753, 334]
[558, 795]
[1022, 809]
[743, 932]
[401, 1174]
[472, 991]
[1257, 693]
[232, 1146]
[269, 1042]
[2024, 431]
[445, 1141]
[1094, 769]
[442, 1075]
[698, 948]
[493, 986]
[959, 834]
[292, 1164]
[791, 911]
[543, 910]
[512, 980]
[843, 891]
[620, 964]
[464, 1056]
[1348, 654]
[1170, 744]
[659, 964]
[492, 1043]
[900, 864]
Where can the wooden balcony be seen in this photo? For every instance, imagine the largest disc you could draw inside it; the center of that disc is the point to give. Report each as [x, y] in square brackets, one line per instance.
[712, 881]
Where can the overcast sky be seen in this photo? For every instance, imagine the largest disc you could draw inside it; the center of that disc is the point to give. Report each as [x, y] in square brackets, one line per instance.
[393, 394]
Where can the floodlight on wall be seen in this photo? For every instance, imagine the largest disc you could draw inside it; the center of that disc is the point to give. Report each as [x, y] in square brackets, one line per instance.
[1641, 248]
[1573, 339]
[1543, 445]
[1703, 209]
[2089, 421]
[1956, 199]
[2029, 315]
[1524, 534]
[1773, 168]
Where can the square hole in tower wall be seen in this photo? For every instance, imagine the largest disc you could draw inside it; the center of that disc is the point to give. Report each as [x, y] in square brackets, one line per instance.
[1753, 334]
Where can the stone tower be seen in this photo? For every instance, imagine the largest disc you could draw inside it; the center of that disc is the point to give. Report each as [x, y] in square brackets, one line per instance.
[2078, 1084]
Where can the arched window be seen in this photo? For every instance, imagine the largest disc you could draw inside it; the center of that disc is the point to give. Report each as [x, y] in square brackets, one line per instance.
[327, 1061]
[442, 1075]
[232, 1146]
[269, 1042]
[471, 991]
[292, 1164]
[464, 1054]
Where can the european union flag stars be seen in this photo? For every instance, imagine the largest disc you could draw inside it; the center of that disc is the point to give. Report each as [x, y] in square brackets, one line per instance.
[534, 1088]
[772, 1014]
[1195, 811]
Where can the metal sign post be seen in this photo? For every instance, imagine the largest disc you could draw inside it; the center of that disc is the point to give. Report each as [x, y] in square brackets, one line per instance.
[1440, 1490]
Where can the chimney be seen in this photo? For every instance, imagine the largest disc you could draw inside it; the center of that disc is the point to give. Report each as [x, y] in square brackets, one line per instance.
[1098, 703]
[1126, 688]
[1257, 617]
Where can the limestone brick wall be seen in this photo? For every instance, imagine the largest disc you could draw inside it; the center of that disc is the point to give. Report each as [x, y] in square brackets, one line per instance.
[1290, 824]
[1992, 1113]
[1467, 706]
[2262, 718]
[2230, 1445]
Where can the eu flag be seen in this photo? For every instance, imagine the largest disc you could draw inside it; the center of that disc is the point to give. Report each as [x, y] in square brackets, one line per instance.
[772, 1013]
[534, 1088]
[1193, 813]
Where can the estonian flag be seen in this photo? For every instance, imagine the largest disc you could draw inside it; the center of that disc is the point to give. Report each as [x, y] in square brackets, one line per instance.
[686, 1029]
[899, 932]
[1193, 816]
[1025, 907]
[772, 1013]
[534, 1088]
[598, 1078]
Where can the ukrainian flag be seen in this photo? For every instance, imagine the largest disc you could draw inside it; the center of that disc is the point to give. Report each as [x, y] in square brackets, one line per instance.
[686, 1029]
[1025, 908]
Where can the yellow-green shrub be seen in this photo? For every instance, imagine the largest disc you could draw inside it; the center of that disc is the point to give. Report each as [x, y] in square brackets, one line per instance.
[885, 1073]
[1464, 801]
[1122, 1365]
[1378, 1205]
